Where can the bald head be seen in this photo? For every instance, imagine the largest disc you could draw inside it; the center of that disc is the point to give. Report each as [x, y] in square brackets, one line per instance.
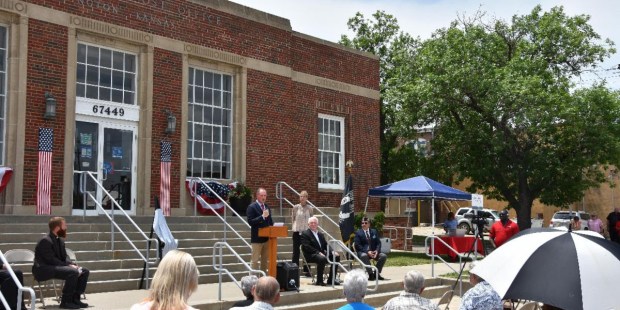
[267, 289]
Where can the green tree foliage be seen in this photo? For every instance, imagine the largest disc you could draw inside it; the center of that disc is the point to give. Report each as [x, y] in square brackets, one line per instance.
[506, 111]
[382, 37]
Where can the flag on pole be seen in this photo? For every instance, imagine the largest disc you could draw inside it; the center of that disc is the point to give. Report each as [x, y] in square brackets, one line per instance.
[5, 177]
[346, 216]
[160, 227]
[164, 185]
[44, 173]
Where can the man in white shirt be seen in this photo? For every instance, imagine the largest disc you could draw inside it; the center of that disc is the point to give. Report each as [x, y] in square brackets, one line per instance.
[314, 247]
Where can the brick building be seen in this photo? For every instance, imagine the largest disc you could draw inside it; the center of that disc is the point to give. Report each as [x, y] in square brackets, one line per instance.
[253, 101]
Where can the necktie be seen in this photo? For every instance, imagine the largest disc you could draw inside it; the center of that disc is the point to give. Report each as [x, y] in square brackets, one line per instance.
[262, 206]
[367, 235]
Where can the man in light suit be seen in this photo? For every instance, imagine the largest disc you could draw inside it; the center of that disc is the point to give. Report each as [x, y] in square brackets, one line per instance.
[259, 216]
[51, 262]
[314, 247]
[368, 246]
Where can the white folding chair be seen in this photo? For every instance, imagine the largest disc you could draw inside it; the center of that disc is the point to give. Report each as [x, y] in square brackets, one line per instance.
[27, 256]
[532, 305]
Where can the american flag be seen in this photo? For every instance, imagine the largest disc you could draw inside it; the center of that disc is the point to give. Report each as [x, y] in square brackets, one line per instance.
[164, 186]
[44, 176]
[209, 202]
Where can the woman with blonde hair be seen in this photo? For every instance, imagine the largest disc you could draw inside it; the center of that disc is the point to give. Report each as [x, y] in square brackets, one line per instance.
[175, 280]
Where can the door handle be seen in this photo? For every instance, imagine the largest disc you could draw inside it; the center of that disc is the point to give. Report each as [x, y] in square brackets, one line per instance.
[104, 173]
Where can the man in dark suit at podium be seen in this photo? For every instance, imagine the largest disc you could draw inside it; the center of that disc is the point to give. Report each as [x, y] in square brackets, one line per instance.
[259, 216]
[314, 247]
[368, 246]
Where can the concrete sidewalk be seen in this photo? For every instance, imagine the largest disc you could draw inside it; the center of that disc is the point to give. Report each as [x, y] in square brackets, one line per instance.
[207, 295]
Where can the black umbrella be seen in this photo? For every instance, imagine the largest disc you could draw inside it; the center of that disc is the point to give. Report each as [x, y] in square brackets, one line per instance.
[570, 270]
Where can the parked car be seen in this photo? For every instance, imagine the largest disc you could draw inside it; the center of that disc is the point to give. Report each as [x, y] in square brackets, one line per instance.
[563, 218]
[464, 217]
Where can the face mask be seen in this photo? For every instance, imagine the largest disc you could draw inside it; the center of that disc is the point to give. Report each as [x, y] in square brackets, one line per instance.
[62, 233]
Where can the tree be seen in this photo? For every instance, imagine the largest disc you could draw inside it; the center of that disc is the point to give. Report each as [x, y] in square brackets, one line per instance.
[383, 38]
[505, 108]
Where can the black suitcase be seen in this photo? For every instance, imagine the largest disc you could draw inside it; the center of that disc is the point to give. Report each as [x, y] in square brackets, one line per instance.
[287, 274]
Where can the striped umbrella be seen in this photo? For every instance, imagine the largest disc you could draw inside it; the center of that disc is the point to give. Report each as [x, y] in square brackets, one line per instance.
[569, 270]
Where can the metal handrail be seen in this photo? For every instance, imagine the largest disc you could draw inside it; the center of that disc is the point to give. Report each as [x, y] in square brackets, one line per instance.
[20, 287]
[280, 197]
[340, 246]
[390, 229]
[218, 267]
[113, 224]
[193, 183]
[432, 255]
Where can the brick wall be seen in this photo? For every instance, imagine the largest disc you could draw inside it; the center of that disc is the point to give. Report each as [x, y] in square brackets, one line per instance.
[167, 88]
[281, 114]
[47, 71]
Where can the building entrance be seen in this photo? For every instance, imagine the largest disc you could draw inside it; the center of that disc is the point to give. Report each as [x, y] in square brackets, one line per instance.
[108, 150]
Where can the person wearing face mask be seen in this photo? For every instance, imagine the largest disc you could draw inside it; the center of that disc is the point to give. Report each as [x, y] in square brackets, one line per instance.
[504, 229]
[51, 262]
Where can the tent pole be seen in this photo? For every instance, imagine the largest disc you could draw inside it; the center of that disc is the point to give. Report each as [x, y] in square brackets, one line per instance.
[433, 239]
[366, 206]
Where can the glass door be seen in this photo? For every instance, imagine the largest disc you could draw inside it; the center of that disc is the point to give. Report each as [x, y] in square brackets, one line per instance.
[108, 151]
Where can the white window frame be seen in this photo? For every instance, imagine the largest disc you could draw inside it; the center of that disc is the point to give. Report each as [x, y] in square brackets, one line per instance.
[124, 72]
[191, 142]
[5, 94]
[340, 184]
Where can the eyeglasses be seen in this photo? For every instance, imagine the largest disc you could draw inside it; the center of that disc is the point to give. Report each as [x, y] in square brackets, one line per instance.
[364, 222]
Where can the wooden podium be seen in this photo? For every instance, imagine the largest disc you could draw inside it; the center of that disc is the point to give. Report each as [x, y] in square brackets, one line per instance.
[273, 232]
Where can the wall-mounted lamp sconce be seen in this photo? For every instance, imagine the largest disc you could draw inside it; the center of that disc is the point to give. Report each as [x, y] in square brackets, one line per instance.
[50, 106]
[172, 122]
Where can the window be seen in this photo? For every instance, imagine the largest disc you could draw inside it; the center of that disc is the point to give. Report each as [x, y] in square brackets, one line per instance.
[209, 126]
[420, 145]
[105, 74]
[331, 152]
[3, 87]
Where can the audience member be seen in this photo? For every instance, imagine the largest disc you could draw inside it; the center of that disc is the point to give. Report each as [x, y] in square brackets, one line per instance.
[612, 225]
[410, 298]
[175, 280]
[266, 294]
[354, 290]
[595, 224]
[504, 229]
[247, 284]
[259, 216]
[368, 246]
[300, 214]
[314, 246]
[451, 223]
[480, 297]
[8, 287]
[575, 223]
[51, 262]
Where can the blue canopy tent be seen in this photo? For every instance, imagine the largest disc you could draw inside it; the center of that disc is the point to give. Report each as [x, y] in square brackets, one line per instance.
[419, 187]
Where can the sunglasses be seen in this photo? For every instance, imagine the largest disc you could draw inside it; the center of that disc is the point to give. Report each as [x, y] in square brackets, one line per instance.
[364, 222]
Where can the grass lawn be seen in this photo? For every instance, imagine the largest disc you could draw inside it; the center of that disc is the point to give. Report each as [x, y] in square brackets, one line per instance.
[397, 259]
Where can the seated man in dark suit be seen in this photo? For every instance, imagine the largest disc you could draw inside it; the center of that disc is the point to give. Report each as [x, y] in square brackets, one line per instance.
[51, 262]
[9, 288]
[314, 247]
[368, 246]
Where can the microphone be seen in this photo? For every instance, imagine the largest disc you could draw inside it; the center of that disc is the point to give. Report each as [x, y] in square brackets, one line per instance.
[292, 283]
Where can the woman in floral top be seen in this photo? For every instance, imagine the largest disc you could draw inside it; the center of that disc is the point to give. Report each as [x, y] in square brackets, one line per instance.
[300, 214]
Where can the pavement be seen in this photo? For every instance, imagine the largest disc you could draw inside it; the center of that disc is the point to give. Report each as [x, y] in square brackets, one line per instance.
[210, 293]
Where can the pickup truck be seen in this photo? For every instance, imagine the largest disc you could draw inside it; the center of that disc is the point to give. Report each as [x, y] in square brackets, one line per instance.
[464, 218]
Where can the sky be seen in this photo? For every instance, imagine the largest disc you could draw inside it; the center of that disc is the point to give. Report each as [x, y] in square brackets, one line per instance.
[327, 19]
